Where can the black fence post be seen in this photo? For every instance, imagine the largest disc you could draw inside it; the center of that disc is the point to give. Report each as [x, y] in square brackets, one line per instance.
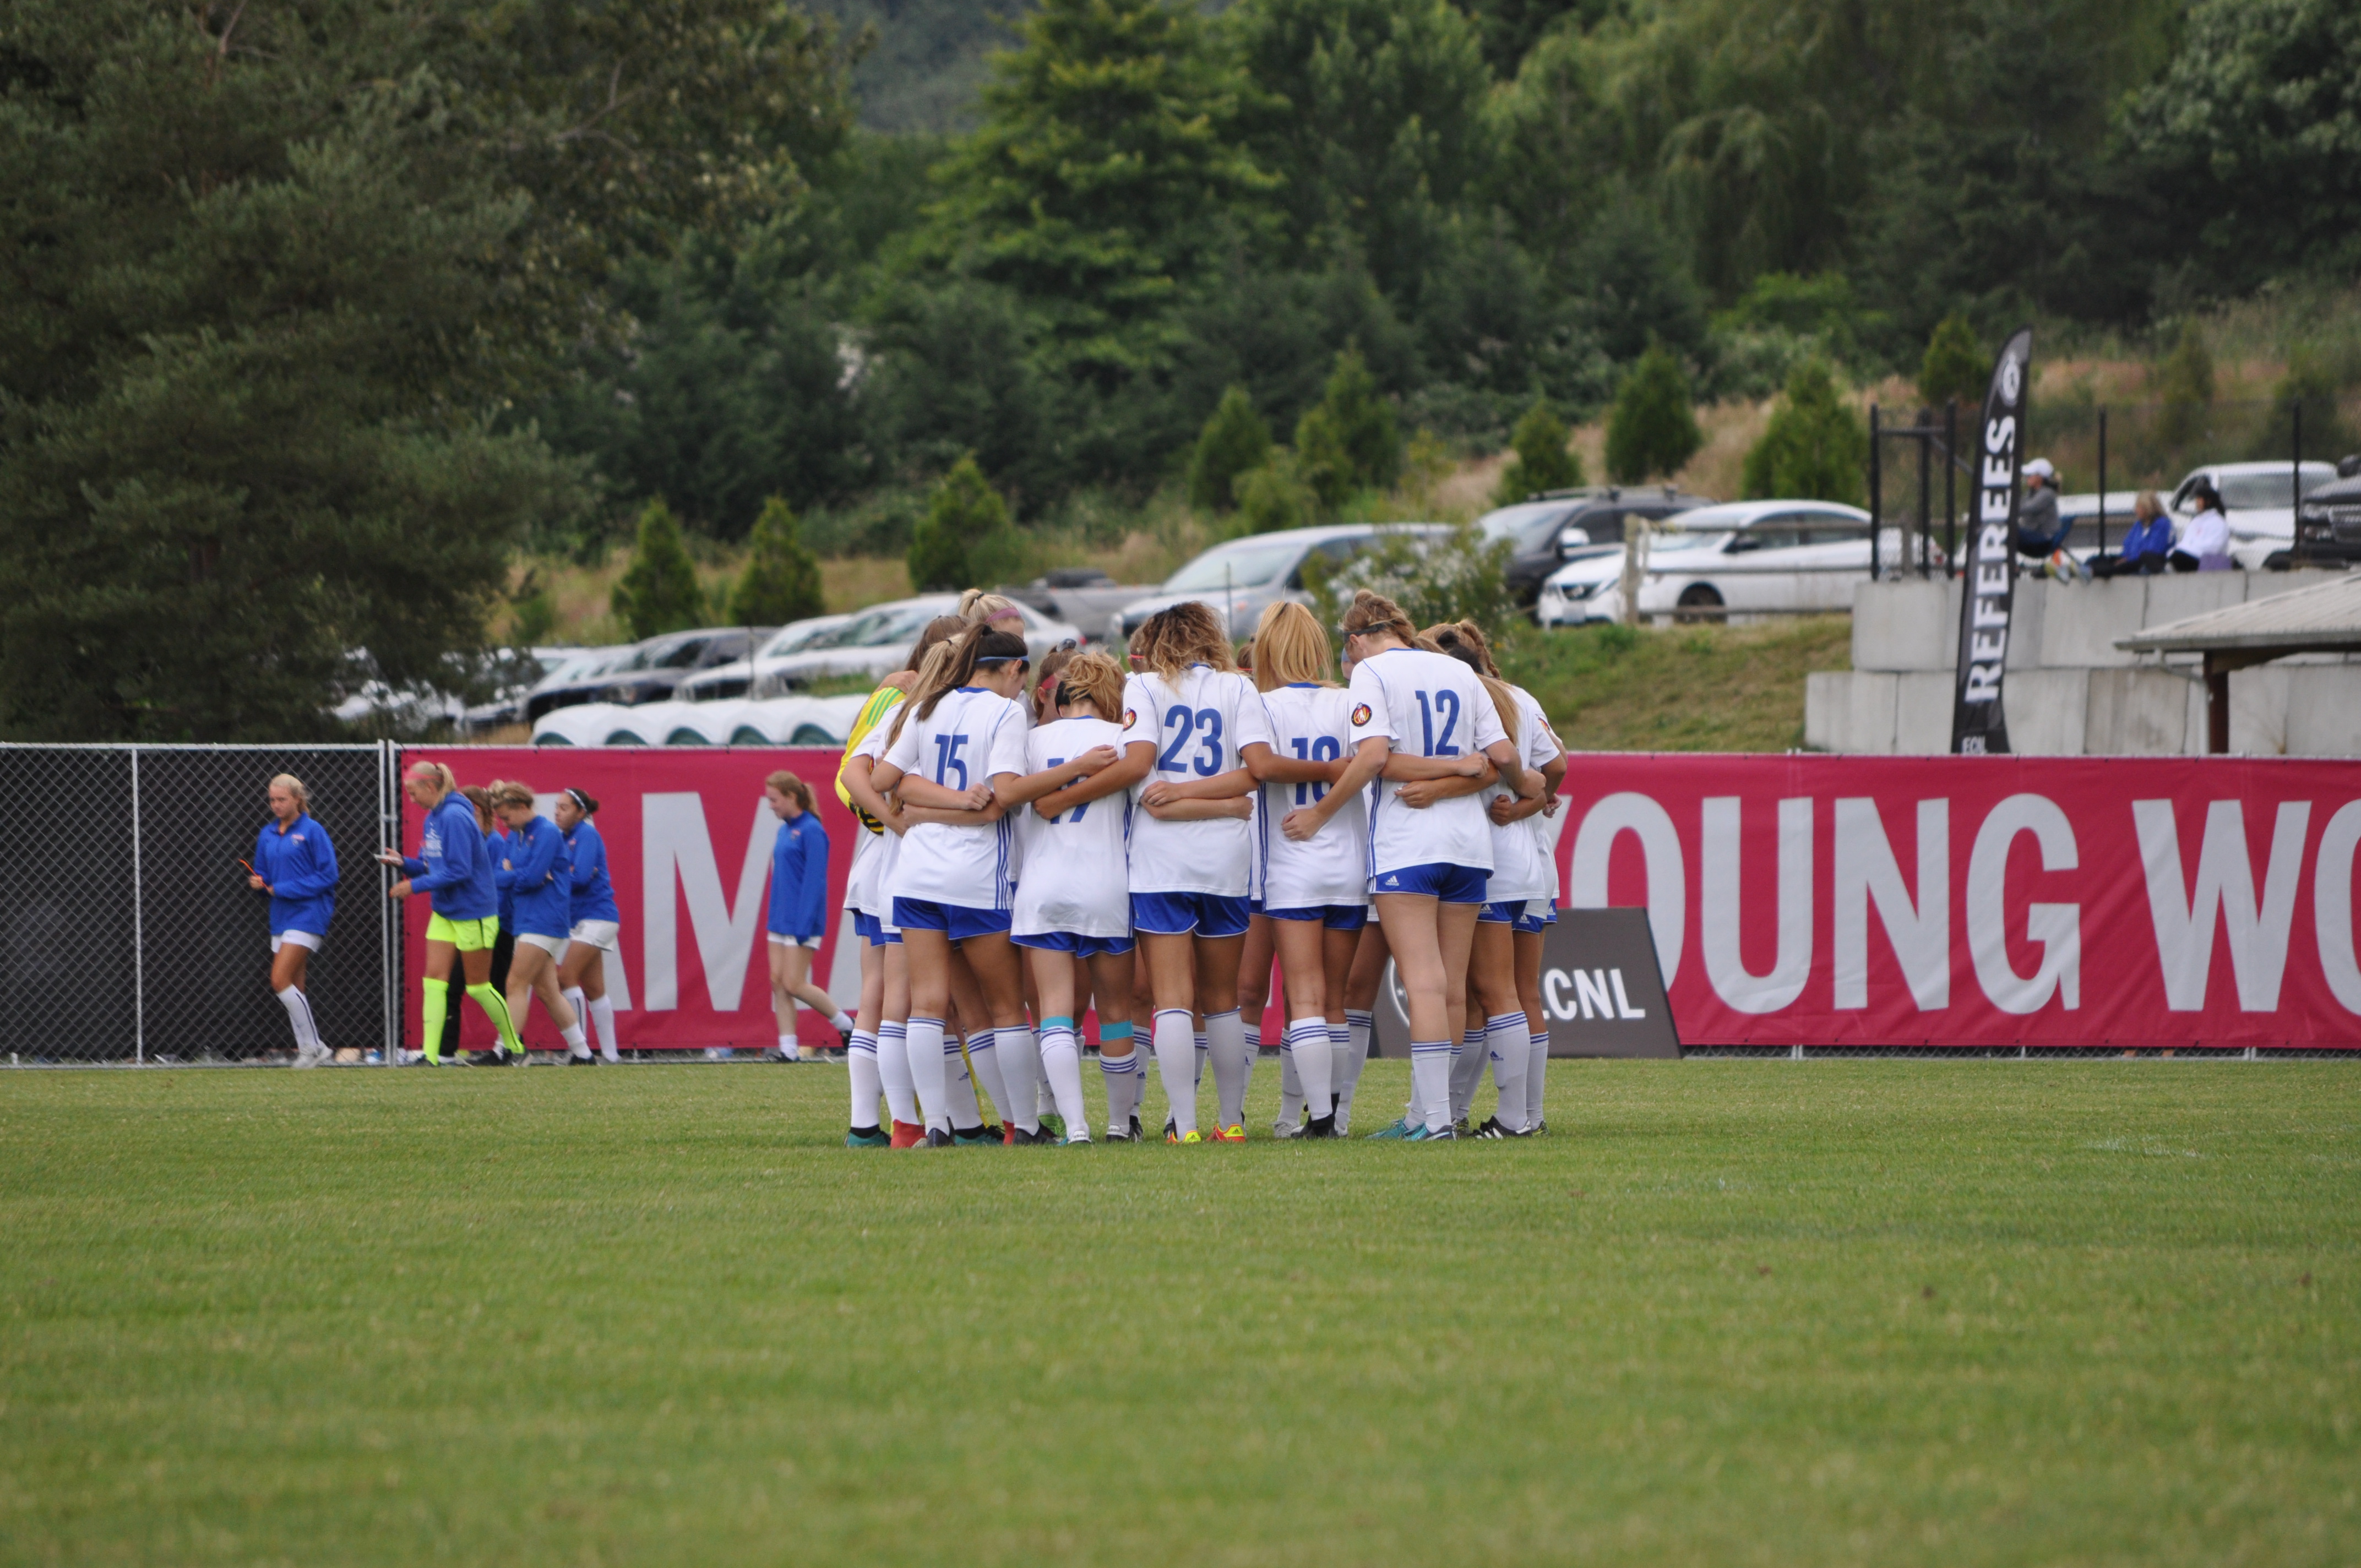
[1926, 486]
[1950, 486]
[2103, 479]
[1876, 495]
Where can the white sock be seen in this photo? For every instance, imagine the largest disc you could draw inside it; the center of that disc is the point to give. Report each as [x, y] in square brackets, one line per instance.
[1357, 1028]
[1511, 1047]
[1061, 1068]
[578, 1044]
[299, 1017]
[1123, 1079]
[789, 1048]
[581, 1005]
[1176, 1064]
[861, 1058]
[1536, 1074]
[984, 1048]
[1019, 1054]
[959, 1084]
[1467, 1069]
[1203, 1047]
[842, 1024]
[893, 1072]
[1253, 1036]
[602, 1018]
[1226, 1036]
[1340, 1045]
[1290, 1080]
[927, 1076]
[1430, 1080]
[1307, 1048]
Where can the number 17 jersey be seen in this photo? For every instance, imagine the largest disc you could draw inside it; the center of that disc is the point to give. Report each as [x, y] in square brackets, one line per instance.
[1198, 724]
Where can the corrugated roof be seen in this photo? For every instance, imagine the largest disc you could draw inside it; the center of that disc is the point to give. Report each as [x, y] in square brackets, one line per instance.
[2327, 616]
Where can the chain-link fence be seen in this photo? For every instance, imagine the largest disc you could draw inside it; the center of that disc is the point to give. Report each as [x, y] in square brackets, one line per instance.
[126, 930]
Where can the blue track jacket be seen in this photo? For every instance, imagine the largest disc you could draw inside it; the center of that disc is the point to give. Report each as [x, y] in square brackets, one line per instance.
[301, 867]
[594, 896]
[799, 879]
[452, 865]
[541, 882]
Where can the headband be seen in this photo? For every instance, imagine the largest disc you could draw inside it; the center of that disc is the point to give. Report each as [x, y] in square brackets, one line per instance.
[581, 801]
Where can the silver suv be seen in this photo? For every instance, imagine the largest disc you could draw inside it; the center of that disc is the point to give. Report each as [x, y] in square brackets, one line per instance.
[1246, 576]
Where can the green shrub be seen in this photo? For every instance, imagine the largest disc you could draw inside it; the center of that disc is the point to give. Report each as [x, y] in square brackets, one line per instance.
[965, 540]
[1322, 460]
[1363, 423]
[659, 593]
[1235, 441]
[1273, 497]
[1816, 448]
[2184, 384]
[1956, 368]
[1653, 427]
[1543, 461]
[781, 581]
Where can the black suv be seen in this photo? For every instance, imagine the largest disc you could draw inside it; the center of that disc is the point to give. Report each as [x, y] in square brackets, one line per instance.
[654, 669]
[1537, 528]
[2328, 525]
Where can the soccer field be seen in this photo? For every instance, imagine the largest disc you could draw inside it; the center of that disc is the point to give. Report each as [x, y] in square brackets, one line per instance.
[1743, 1312]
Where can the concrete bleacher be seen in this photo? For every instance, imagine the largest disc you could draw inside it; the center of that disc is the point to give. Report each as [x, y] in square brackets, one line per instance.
[2070, 691]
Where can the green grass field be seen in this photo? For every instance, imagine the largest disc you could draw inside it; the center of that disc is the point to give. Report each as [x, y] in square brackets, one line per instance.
[1729, 1312]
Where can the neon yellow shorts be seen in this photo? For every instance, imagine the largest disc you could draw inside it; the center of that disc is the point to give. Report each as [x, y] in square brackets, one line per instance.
[468, 936]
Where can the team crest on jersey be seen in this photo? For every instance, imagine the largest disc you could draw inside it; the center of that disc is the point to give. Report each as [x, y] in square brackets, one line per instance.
[1360, 713]
[1130, 717]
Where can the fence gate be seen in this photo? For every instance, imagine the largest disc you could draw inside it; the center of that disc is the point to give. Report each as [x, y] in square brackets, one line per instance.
[126, 930]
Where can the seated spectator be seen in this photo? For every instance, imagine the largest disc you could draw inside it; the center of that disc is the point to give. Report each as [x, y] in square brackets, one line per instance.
[2039, 529]
[2145, 547]
[2204, 543]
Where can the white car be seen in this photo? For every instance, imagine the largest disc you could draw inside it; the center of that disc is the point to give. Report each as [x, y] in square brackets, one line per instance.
[873, 643]
[1773, 557]
[729, 722]
[737, 679]
[2257, 502]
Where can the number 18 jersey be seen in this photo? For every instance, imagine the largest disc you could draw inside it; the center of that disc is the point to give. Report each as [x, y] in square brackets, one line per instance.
[973, 735]
[1427, 705]
[1308, 724]
[1198, 723]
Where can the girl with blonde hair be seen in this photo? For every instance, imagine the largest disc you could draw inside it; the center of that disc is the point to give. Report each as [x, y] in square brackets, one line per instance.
[1419, 715]
[452, 866]
[541, 880]
[796, 920]
[296, 865]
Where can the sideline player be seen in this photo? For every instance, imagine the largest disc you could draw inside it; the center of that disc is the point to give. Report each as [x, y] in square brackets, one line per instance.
[541, 882]
[296, 865]
[590, 906]
[452, 866]
[798, 917]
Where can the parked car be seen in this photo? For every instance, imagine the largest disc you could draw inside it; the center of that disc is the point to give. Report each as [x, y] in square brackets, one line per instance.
[579, 679]
[2258, 501]
[743, 677]
[536, 665]
[1741, 556]
[873, 642]
[656, 671]
[730, 722]
[1083, 594]
[1246, 576]
[1546, 531]
[2328, 529]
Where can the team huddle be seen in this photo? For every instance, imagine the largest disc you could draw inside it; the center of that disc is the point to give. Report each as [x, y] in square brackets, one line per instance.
[1147, 841]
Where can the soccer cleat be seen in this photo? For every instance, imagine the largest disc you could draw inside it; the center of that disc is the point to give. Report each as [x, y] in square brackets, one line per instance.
[777, 1054]
[1192, 1137]
[1399, 1127]
[1122, 1134]
[866, 1138]
[1139, 1133]
[908, 1134]
[1494, 1128]
[1170, 1126]
[976, 1136]
[1233, 1133]
[585, 1060]
[936, 1139]
[1283, 1128]
[1054, 1124]
[1319, 1127]
[1538, 1128]
[1460, 1126]
[312, 1056]
[1430, 1135]
[1077, 1140]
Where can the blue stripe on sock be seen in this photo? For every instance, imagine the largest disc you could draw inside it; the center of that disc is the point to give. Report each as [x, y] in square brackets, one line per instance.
[1432, 1047]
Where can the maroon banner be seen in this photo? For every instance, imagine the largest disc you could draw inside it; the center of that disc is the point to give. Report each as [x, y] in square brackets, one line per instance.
[688, 846]
[1983, 900]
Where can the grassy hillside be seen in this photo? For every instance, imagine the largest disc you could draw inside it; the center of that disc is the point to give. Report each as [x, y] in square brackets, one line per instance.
[1686, 688]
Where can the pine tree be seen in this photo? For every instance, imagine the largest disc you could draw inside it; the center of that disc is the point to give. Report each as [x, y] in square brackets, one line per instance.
[965, 540]
[659, 593]
[1653, 427]
[1273, 497]
[1956, 368]
[1543, 461]
[1234, 442]
[781, 582]
[1815, 448]
[1363, 422]
[1323, 459]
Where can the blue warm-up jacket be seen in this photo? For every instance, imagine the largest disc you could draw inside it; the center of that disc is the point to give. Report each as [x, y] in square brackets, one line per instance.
[594, 896]
[453, 864]
[2152, 538]
[498, 847]
[301, 867]
[799, 879]
[541, 880]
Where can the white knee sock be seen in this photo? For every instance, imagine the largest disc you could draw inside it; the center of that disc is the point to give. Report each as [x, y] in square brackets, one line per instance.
[602, 1018]
[580, 1004]
[1510, 1047]
[1203, 1046]
[927, 1076]
[860, 1060]
[578, 1044]
[1357, 1025]
[1019, 1054]
[842, 1024]
[1176, 1064]
[1124, 1075]
[1536, 1073]
[299, 1017]
[1061, 1067]
[959, 1085]
[894, 1072]
[1291, 1080]
[1307, 1048]
[984, 1047]
[1430, 1080]
[1467, 1068]
[1225, 1036]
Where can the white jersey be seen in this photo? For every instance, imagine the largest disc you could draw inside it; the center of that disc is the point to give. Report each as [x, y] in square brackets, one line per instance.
[872, 853]
[1307, 725]
[1198, 725]
[1520, 866]
[972, 736]
[1075, 877]
[1427, 705]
